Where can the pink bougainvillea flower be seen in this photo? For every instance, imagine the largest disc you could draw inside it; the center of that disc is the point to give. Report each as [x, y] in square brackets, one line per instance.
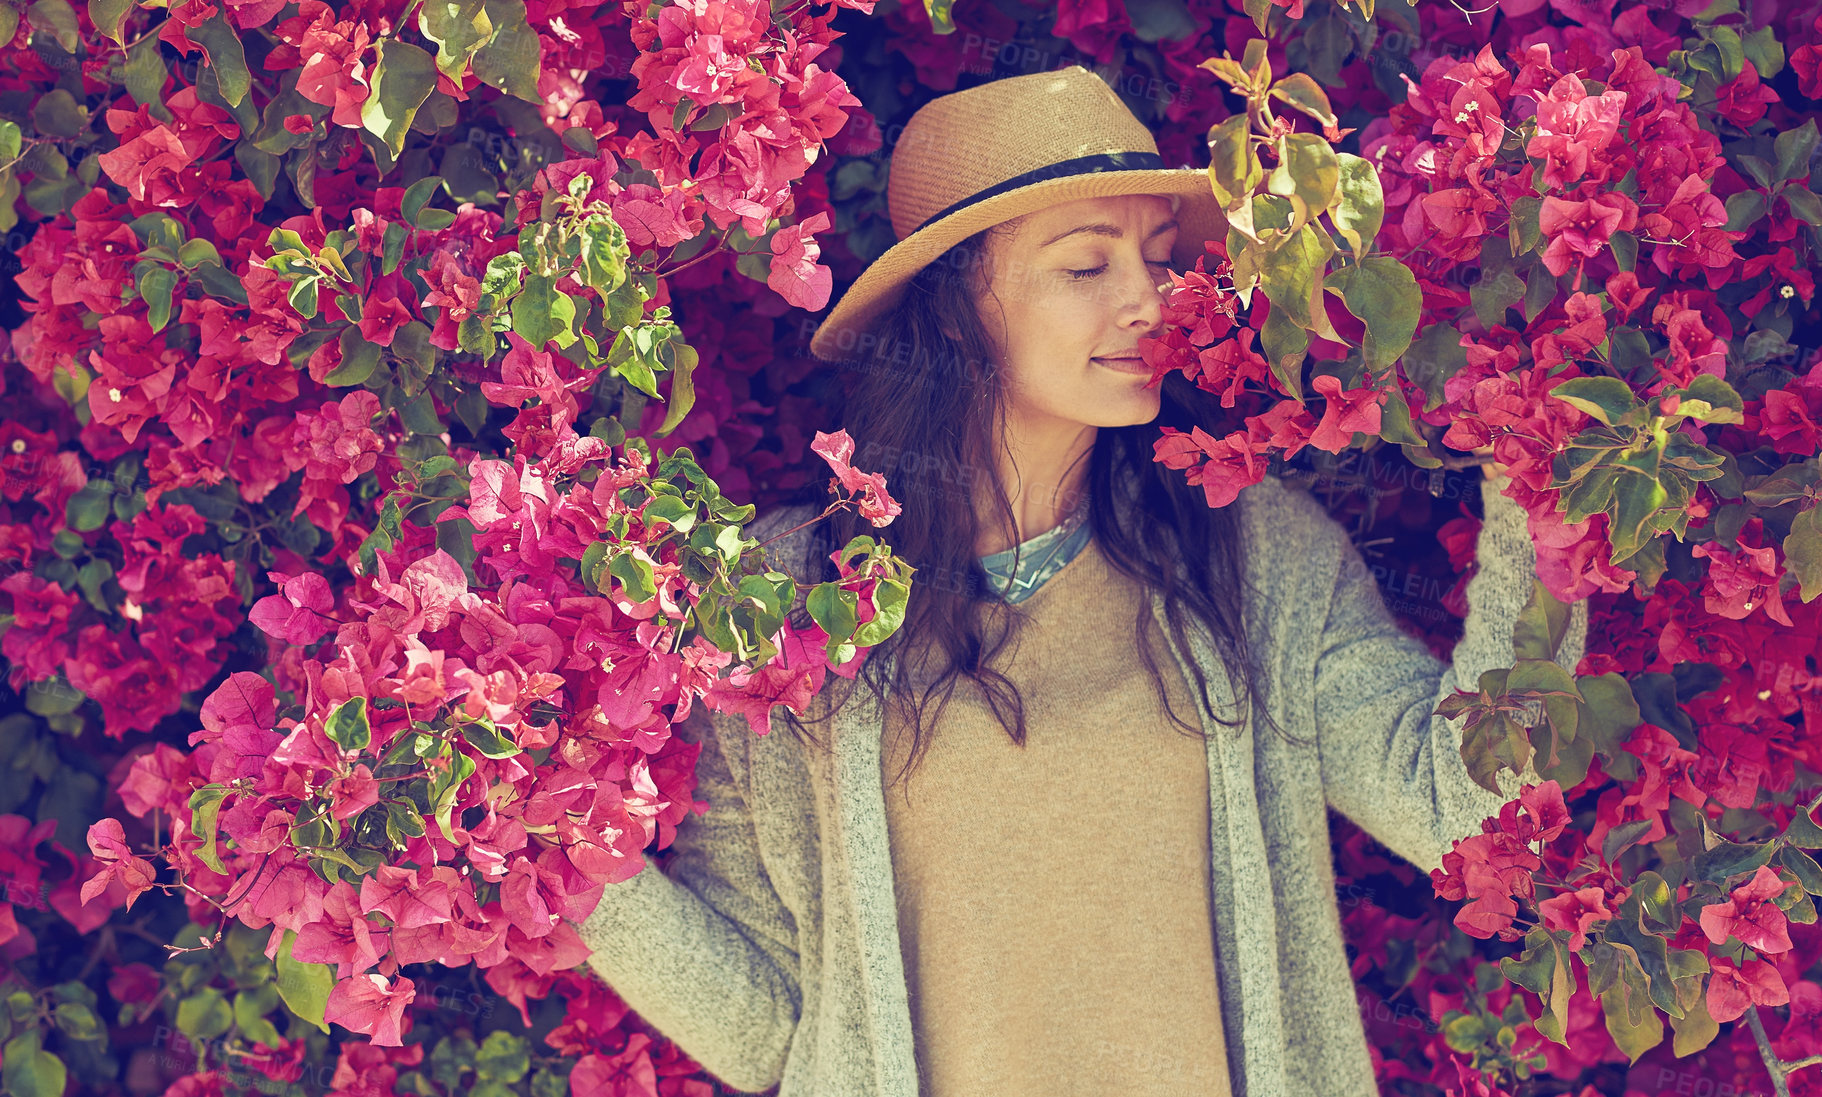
[1574, 130]
[381, 318]
[876, 505]
[1487, 870]
[295, 614]
[372, 1005]
[1751, 914]
[1576, 911]
[107, 842]
[1579, 229]
[1344, 414]
[1222, 467]
[796, 275]
[1732, 988]
[1746, 579]
[1538, 815]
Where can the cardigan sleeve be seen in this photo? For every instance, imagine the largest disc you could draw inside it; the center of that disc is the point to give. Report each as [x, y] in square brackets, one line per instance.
[1387, 762]
[706, 952]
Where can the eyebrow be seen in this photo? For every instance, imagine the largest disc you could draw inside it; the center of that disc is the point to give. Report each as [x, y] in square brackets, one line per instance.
[1104, 229]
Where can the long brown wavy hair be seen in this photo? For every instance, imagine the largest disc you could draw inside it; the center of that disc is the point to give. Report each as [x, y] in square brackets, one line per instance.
[923, 402]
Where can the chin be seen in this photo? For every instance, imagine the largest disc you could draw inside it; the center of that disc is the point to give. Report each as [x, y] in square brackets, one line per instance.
[1133, 408]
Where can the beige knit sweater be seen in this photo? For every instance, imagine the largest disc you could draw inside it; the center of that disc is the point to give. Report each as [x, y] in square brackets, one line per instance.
[1038, 962]
[770, 948]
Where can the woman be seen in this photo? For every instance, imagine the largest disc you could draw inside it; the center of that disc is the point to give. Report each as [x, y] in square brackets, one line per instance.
[1073, 886]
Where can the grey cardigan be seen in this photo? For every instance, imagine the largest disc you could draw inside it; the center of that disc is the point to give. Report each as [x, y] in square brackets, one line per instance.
[770, 950]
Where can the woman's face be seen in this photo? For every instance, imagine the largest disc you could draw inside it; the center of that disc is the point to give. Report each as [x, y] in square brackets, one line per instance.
[1071, 291]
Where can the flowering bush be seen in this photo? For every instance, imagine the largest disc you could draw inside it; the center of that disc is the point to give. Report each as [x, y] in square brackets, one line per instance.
[367, 521]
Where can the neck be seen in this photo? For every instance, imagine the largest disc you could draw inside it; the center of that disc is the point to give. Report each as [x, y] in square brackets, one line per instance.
[1045, 472]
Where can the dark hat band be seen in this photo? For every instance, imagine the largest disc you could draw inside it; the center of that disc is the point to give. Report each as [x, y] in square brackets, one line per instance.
[1081, 165]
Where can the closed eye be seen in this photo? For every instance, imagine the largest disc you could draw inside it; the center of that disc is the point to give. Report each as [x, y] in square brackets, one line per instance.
[1095, 272]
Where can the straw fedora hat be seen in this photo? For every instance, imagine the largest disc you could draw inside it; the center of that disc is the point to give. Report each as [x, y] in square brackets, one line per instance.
[972, 159]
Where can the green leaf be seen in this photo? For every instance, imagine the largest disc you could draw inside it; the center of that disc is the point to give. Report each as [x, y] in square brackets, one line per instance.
[156, 285]
[30, 1071]
[1804, 204]
[1383, 293]
[204, 1015]
[671, 510]
[1432, 359]
[1803, 552]
[1286, 346]
[226, 57]
[90, 507]
[57, 114]
[108, 15]
[1726, 41]
[1160, 20]
[1523, 232]
[445, 786]
[1234, 167]
[250, 1009]
[1544, 969]
[1632, 1021]
[1764, 51]
[541, 312]
[1609, 713]
[1308, 173]
[403, 78]
[1793, 148]
[1625, 250]
[1606, 398]
[303, 987]
[57, 19]
[205, 808]
[511, 59]
[1711, 400]
[938, 11]
[1360, 203]
[419, 415]
[1802, 866]
[1291, 277]
[1302, 91]
[77, 1021]
[890, 597]
[837, 611]
[683, 388]
[1695, 1029]
[637, 582]
[1743, 210]
[1499, 287]
[486, 738]
[412, 202]
[502, 1057]
[347, 726]
[1541, 625]
[1803, 831]
[459, 28]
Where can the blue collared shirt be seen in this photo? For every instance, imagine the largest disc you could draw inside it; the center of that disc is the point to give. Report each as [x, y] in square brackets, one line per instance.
[1038, 558]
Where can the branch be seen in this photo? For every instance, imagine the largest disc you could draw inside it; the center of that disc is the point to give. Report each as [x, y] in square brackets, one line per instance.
[1776, 1067]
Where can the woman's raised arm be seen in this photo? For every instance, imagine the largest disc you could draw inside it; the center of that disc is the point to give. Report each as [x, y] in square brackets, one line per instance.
[1388, 763]
[707, 954]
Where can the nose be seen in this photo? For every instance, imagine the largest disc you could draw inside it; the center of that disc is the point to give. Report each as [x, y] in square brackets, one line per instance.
[1141, 300]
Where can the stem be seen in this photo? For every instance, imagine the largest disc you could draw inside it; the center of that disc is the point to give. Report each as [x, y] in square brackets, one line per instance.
[830, 509]
[1773, 1065]
[719, 247]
